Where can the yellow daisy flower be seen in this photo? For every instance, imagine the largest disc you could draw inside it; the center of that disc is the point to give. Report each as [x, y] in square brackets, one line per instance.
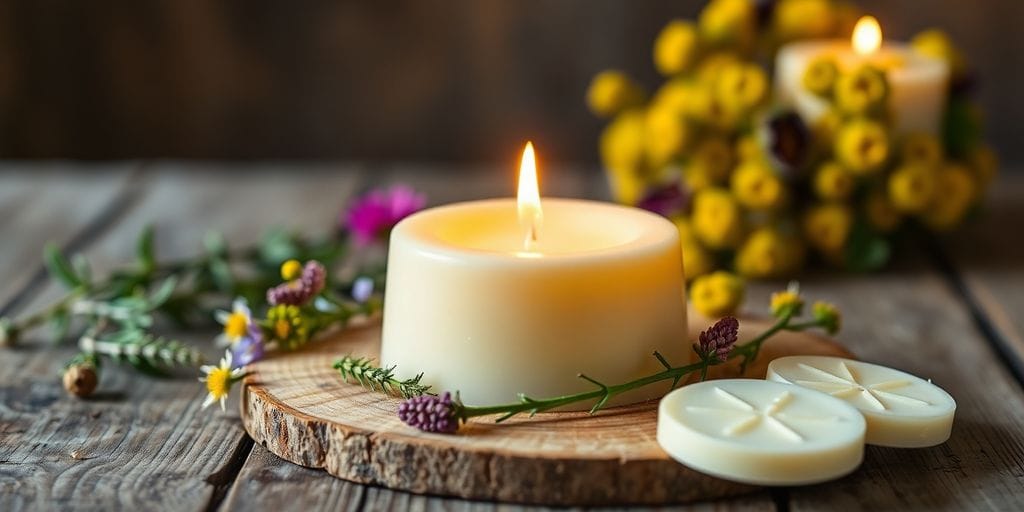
[828, 316]
[911, 188]
[729, 23]
[880, 212]
[623, 152]
[666, 135]
[768, 253]
[787, 302]
[236, 323]
[757, 187]
[676, 47]
[937, 44]
[717, 294]
[219, 380]
[717, 219]
[820, 76]
[741, 87]
[803, 19]
[955, 193]
[611, 92]
[862, 146]
[827, 226]
[921, 149]
[833, 182]
[861, 91]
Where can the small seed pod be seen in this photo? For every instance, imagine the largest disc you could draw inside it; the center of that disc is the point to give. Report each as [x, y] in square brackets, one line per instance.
[81, 379]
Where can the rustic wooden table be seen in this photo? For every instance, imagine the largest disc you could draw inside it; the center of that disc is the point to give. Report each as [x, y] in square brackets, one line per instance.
[952, 311]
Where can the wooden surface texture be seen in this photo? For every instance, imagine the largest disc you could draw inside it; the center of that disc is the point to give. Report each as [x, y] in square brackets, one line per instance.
[949, 309]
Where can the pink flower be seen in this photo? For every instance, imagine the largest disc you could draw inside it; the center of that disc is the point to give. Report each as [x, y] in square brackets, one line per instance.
[300, 291]
[373, 215]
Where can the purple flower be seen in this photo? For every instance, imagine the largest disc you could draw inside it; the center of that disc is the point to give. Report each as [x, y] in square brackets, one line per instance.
[374, 214]
[666, 200]
[362, 289]
[431, 413]
[249, 349]
[717, 341]
[298, 292]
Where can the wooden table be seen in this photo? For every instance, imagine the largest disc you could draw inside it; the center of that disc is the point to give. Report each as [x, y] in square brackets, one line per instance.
[951, 310]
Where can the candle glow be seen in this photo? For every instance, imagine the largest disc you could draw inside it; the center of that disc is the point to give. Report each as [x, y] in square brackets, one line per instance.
[528, 197]
[867, 36]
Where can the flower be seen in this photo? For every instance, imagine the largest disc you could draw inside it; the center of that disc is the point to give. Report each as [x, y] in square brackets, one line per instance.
[922, 149]
[291, 269]
[804, 19]
[828, 316]
[741, 87]
[757, 187]
[861, 91]
[935, 43]
[250, 348]
[219, 380]
[709, 163]
[362, 289]
[675, 49]
[788, 302]
[622, 151]
[666, 200]
[954, 195]
[715, 343]
[300, 290]
[80, 379]
[769, 253]
[729, 23]
[717, 294]
[911, 188]
[372, 216]
[697, 260]
[820, 76]
[827, 226]
[833, 182]
[666, 135]
[287, 325]
[431, 413]
[612, 91]
[880, 212]
[717, 219]
[236, 323]
[862, 146]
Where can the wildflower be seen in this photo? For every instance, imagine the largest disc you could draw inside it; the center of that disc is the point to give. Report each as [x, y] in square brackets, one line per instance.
[715, 343]
[287, 326]
[820, 76]
[431, 413]
[833, 182]
[769, 253]
[788, 302]
[697, 260]
[666, 200]
[372, 216]
[911, 188]
[717, 219]
[81, 379]
[362, 289]
[729, 23]
[827, 226]
[675, 49]
[236, 323]
[676, 94]
[804, 19]
[861, 91]
[954, 195]
[717, 294]
[921, 149]
[611, 92]
[622, 151]
[828, 316]
[250, 348]
[741, 87]
[666, 135]
[862, 146]
[291, 269]
[880, 212]
[301, 289]
[935, 43]
[219, 380]
[711, 158]
[757, 187]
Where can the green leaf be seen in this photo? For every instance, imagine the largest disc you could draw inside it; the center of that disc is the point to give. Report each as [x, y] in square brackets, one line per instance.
[60, 323]
[215, 243]
[59, 266]
[220, 271]
[80, 264]
[866, 250]
[160, 296]
[145, 250]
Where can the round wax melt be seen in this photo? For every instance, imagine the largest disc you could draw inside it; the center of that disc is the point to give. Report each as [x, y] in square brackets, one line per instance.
[901, 410]
[761, 432]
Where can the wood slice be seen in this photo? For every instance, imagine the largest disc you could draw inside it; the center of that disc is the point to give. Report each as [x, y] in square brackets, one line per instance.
[298, 407]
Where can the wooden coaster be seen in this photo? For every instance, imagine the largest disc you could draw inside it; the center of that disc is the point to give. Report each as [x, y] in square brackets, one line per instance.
[298, 407]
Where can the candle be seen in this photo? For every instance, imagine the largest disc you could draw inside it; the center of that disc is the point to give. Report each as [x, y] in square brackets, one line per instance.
[902, 410]
[918, 84]
[498, 297]
[761, 432]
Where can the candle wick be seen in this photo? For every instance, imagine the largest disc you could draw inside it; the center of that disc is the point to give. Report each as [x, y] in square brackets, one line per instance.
[531, 237]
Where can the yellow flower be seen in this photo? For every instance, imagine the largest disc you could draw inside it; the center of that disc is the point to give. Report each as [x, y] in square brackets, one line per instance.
[833, 182]
[717, 219]
[955, 193]
[788, 302]
[666, 135]
[880, 212]
[861, 91]
[826, 127]
[291, 269]
[827, 226]
[717, 294]
[714, 156]
[236, 323]
[741, 87]
[711, 66]
[611, 92]
[623, 153]
[707, 109]
[820, 76]
[288, 326]
[828, 316]
[676, 94]
[803, 19]
[219, 380]
[696, 259]
[911, 188]
[749, 148]
[922, 149]
[768, 253]
[862, 146]
[936, 43]
[729, 23]
[757, 187]
[985, 164]
[675, 49]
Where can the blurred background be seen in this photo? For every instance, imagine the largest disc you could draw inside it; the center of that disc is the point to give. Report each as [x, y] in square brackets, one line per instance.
[426, 80]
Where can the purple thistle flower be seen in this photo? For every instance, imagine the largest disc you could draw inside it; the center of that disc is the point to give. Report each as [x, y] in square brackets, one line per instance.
[300, 291]
[374, 214]
[248, 349]
[431, 413]
[719, 339]
[666, 200]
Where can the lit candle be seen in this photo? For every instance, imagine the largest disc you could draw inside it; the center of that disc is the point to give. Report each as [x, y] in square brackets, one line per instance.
[918, 84]
[498, 297]
[902, 410]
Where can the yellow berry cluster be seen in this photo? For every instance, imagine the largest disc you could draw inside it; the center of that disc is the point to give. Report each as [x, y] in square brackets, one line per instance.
[745, 208]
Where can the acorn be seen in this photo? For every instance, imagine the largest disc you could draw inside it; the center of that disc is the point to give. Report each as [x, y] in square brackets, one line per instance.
[81, 379]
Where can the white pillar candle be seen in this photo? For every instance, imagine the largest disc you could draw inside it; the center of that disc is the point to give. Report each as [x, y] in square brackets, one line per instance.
[761, 432]
[901, 410]
[918, 84]
[595, 288]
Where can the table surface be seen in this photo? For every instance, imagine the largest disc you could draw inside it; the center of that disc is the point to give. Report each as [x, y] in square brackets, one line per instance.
[950, 309]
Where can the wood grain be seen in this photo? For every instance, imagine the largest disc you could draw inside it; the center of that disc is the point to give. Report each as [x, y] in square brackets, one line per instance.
[298, 407]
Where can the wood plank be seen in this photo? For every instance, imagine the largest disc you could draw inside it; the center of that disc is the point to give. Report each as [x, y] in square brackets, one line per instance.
[142, 442]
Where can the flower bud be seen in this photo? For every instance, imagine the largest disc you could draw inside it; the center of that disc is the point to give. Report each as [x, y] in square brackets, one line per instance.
[81, 379]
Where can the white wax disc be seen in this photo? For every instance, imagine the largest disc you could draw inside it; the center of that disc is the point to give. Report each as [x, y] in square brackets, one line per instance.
[901, 410]
[761, 432]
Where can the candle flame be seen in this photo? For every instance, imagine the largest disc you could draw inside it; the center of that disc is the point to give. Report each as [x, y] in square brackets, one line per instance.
[867, 36]
[528, 199]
